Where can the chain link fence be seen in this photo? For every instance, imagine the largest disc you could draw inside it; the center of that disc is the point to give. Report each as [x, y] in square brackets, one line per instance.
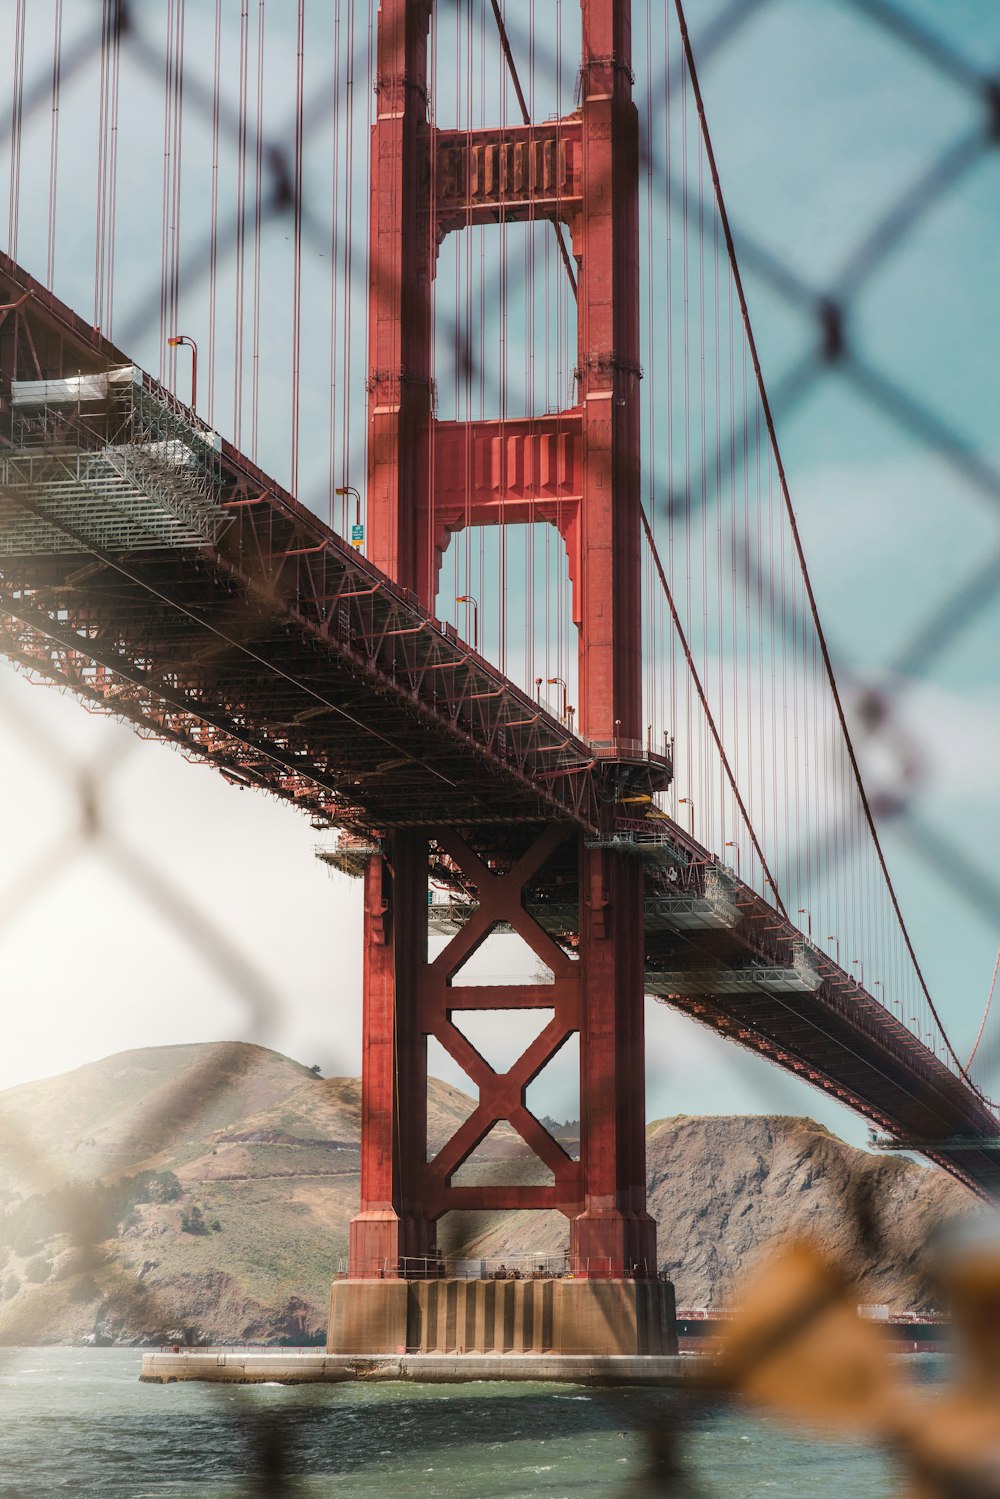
[266, 1444]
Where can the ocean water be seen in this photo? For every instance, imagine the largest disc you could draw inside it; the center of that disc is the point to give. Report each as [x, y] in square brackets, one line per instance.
[78, 1422]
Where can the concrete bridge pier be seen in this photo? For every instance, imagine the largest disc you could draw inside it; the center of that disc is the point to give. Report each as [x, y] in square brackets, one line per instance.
[595, 1319]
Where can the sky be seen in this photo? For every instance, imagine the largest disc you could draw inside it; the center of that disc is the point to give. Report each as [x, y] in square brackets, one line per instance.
[201, 912]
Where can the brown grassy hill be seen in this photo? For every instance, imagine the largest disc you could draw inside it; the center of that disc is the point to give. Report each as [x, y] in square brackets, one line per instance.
[231, 1173]
[264, 1150]
[163, 1105]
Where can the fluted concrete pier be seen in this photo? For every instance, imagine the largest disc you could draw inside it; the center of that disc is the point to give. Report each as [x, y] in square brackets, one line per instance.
[570, 1316]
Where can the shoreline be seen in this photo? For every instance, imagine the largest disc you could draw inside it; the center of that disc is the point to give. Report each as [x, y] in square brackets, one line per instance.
[308, 1366]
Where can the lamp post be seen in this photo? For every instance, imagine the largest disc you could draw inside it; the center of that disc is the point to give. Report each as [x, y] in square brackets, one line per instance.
[358, 535]
[736, 850]
[837, 940]
[558, 682]
[685, 801]
[466, 598]
[859, 963]
[802, 911]
[175, 343]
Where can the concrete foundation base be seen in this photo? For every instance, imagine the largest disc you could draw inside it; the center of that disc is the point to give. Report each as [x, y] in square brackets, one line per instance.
[579, 1317]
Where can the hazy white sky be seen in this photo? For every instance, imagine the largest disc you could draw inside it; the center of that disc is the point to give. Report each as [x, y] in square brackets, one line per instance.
[92, 960]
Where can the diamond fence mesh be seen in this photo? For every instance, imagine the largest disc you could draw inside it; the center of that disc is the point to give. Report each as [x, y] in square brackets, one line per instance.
[825, 345]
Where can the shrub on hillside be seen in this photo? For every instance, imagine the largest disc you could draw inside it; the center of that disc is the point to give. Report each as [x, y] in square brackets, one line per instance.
[160, 1186]
[193, 1220]
[27, 1223]
[94, 1212]
[38, 1270]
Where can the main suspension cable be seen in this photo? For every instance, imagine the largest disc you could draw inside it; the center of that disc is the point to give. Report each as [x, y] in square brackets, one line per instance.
[986, 1012]
[706, 706]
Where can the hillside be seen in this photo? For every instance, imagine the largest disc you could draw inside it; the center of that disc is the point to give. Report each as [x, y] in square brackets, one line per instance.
[230, 1174]
[723, 1188]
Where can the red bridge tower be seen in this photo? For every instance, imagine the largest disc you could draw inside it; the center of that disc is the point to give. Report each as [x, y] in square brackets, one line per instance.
[580, 471]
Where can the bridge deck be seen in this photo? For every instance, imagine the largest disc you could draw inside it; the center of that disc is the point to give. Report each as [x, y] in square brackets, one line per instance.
[241, 628]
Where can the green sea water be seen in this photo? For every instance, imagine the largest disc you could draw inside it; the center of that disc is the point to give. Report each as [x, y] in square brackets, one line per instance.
[78, 1422]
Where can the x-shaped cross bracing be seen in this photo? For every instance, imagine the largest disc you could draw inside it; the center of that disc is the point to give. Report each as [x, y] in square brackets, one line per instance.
[501, 1095]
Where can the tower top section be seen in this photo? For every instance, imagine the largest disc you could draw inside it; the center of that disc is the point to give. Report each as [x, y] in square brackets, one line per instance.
[577, 469]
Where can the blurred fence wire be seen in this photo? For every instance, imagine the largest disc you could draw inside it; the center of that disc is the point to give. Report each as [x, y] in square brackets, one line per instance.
[278, 195]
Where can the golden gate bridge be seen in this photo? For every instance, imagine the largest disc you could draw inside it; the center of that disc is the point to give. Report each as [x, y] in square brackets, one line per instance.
[599, 508]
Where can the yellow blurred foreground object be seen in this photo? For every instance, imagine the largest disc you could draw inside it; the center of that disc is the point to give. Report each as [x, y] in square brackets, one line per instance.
[951, 1446]
[797, 1347]
[952, 1441]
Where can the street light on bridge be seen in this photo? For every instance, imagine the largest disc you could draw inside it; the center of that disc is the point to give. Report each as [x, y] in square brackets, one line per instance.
[686, 801]
[466, 598]
[558, 682]
[831, 938]
[358, 530]
[809, 921]
[175, 343]
[859, 963]
[736, 850]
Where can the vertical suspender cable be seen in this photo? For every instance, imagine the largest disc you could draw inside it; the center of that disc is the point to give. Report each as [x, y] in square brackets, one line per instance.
[855, 768]
[332, 484]
[347, 237]
[176, 164]
[429, 562]
[297, 248]
[16, 112]
[112, 217]
[165, 329]
[257, 231]
[100, 195]
[50, 259]
[241, 224]
[213, 254]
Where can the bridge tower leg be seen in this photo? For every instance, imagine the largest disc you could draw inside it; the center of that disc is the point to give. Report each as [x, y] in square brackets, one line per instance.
[578, 470]
[391, 1228]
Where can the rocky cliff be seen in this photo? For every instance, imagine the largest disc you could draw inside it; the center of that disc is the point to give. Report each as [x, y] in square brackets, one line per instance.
[227, 1176]
[724, 1188]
